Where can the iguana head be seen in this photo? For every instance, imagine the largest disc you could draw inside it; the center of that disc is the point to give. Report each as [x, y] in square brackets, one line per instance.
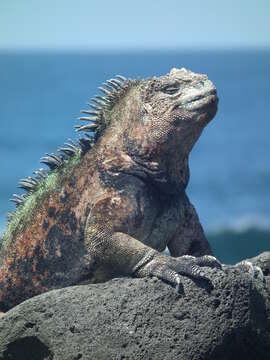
[156, 122]
[174, 109]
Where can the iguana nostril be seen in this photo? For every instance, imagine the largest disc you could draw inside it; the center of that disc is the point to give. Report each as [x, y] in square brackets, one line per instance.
[200, 84]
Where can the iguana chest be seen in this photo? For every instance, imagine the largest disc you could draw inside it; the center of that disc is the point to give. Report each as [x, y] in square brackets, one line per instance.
[158, 219]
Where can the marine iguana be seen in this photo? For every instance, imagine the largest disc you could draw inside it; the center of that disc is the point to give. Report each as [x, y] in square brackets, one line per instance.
[111, 203]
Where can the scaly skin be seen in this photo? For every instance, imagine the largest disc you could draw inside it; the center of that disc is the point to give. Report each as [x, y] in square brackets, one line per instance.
[121, 203]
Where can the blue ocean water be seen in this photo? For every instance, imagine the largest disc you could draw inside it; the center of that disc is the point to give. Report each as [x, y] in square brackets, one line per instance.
[41, 94]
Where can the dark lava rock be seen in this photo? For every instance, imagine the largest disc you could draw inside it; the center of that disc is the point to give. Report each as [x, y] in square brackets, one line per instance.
[145, 319]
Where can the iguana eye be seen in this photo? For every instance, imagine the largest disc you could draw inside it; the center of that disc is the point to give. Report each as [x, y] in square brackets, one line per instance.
[170, 89]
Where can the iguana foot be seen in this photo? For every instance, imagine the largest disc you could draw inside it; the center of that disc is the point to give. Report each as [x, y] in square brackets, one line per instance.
[254, 271]
[170, 269]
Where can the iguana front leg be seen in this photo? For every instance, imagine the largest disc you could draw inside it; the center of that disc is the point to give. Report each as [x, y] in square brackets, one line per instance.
[119, 253]
[107, 240]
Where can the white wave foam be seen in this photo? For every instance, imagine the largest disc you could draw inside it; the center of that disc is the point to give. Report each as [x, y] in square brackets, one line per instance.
[241, 223]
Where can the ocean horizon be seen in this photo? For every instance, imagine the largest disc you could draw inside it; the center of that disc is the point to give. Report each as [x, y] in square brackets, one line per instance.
[42, 93]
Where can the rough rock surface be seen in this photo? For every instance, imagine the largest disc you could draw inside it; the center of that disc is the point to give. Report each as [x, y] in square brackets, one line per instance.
[145, 319]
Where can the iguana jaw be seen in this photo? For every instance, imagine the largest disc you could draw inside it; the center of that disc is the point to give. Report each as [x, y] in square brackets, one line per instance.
[197, 102]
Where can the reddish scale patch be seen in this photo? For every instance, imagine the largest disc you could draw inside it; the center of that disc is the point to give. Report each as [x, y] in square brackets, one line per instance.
[29, 248]
[43, 256]
[20, 253]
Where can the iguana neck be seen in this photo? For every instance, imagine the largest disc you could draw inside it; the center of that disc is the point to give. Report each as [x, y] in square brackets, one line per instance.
[170, 174]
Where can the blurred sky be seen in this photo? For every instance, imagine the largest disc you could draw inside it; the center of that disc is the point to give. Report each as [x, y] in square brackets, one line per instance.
[137, 24]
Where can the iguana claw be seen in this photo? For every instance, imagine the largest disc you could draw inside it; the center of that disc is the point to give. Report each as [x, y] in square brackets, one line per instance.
[208, 260]
[170, 269]
[254, 271]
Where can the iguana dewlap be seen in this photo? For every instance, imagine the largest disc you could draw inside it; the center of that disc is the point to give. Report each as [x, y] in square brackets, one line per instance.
[113, 201]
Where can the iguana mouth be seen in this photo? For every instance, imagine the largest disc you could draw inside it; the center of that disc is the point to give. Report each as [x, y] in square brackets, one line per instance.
[202, 103]
[193, 102]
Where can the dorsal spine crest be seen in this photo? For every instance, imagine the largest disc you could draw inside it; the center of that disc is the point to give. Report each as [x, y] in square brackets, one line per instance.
[112, 90]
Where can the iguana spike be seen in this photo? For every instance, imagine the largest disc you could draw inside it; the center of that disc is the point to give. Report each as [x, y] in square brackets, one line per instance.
[52, 161]
[56, 158]
[117, 83]
[71, 144]
[18, 199]
[108, 86]
[72, 148]
[103, 99]
[94, 106]
[105, 91]
[95, 100]
[121, 77]
[101, 104]
[86, 118]
[90, 112]
[29, 180]
[67, 151]
[41, 173]
[111, 98]
[111, 82]
[9, 216]
[111, 87]
[88, 127]
[49, 161]
[28, 184]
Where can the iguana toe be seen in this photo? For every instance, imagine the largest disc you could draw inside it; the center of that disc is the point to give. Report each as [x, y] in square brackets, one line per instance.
[170, 269]
[254, 271]
[208, 260]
